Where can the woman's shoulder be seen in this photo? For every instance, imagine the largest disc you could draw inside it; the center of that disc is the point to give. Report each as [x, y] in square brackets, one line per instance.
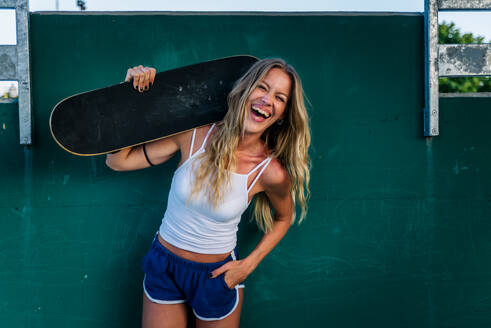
[203, 130]
[275, 176]
[184, 138]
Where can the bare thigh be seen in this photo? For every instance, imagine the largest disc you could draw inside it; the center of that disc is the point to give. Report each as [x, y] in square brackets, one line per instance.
[156, 315]
[232, 321]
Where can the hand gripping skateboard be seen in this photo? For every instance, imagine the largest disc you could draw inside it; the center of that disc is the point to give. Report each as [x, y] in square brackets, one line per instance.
[108, 119]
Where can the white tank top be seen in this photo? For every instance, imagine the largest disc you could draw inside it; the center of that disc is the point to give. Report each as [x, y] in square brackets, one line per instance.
[193, 224]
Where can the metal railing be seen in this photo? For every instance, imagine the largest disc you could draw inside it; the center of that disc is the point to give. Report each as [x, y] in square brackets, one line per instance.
[449, 60]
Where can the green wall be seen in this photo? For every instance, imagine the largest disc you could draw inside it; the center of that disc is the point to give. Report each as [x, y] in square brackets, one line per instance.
[398, 232]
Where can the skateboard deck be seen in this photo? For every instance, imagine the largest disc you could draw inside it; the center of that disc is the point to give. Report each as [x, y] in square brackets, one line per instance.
[118, 116]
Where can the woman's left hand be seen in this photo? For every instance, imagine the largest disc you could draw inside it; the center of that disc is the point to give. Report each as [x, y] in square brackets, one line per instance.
[234, 272]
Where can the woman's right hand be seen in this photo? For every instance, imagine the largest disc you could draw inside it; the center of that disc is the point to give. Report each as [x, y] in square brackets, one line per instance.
[142, 77]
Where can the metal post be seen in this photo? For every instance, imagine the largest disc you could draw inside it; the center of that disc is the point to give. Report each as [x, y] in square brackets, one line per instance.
[431, 112]
[14, 65]
[23, 72]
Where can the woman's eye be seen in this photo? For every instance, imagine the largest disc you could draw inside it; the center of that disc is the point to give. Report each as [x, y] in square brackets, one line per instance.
[280, 99]
[262, 87]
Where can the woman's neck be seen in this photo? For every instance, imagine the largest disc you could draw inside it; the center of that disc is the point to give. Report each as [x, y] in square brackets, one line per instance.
[250, 143]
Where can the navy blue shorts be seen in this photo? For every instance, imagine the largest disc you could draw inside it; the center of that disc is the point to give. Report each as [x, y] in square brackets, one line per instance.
[170, 279]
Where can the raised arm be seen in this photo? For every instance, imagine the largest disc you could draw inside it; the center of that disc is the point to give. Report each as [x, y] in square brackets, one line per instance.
[133, 158]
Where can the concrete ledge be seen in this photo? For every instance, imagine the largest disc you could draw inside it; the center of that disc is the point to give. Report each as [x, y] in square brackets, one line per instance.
[8, 60]
[466, 95]
[232, 13]
[464, 4]
[464, 59]
[7, 4]
[8, 100]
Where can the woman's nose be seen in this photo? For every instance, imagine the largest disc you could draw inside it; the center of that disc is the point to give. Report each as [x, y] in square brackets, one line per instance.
[266, 98]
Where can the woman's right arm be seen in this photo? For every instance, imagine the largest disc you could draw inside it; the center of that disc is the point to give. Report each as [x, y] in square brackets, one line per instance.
[133, 158]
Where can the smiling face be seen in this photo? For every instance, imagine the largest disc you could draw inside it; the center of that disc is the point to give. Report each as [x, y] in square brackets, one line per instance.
[267, 102]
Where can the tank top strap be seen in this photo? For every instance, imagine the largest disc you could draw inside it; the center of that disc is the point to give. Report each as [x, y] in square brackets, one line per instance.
[206, 138]
[192, 143]
[263, 166]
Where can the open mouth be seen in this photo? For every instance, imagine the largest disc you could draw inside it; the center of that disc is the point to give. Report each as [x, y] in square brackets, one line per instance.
[260, 112]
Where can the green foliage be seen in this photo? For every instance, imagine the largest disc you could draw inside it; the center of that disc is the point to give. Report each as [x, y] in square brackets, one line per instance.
[449, 34]
[81, 4]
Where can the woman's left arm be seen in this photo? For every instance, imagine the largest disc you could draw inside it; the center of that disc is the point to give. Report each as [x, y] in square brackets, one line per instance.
[276, 184]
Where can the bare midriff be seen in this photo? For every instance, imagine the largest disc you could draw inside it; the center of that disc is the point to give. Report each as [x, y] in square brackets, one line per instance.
[192, 256]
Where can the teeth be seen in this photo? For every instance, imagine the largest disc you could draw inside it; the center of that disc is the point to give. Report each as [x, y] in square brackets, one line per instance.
[263, 113]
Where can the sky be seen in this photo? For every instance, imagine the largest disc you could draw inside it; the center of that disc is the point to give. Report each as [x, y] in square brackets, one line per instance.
[477, 22]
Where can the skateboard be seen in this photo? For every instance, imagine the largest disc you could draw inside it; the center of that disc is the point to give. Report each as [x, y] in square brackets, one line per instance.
[115, 117]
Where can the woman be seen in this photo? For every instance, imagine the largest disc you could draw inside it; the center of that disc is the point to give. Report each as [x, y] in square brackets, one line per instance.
[259, 150]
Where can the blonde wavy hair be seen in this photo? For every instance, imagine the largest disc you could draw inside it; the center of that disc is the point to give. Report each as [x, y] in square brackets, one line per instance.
[288, 143]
